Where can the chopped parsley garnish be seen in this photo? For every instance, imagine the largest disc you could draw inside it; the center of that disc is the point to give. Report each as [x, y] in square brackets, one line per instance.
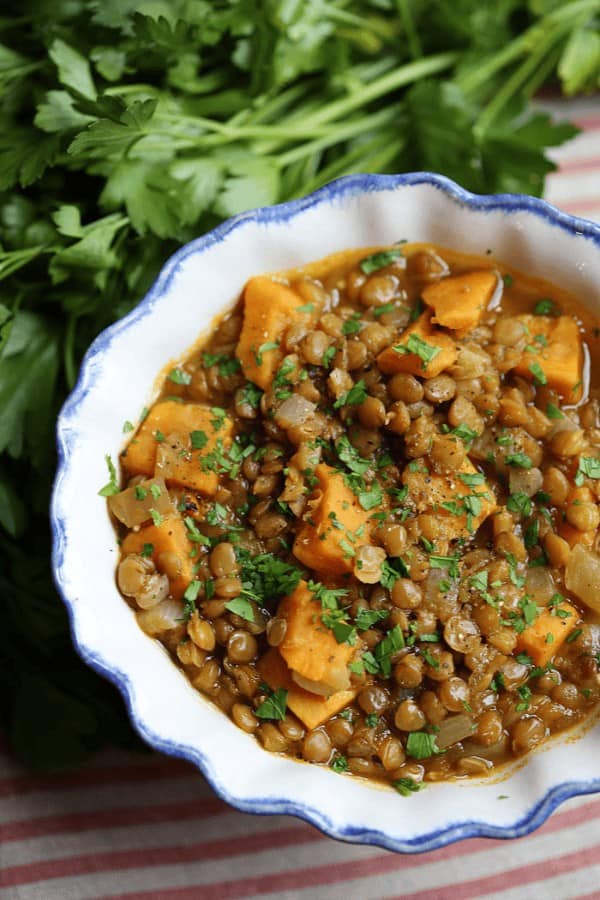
[384, 650]
[306, 308]
[479, 581]
[589, 467]
[371, 720]
[407, 786]
[518, 460]
[250, 394]
[508, 280]
[365, 618]
[538, 373]
[178, 376]
[446, 562]
[574, 635]
[140, 492]
[429, 659]
[198, 439]
[471, 479]
[532, 534]
[553, 412]
[195, 536]
[339, 763]
[147, 550]
[351, 457]
[380, 260]
[264, 348]
[391, 571]
[352, 324]
[265, 577]
[128, 426]
[274, 707]
[421, 745]
[544, 307]
[524, 693]
[155, 491]
[328, 358]
[157, 519]
[519, 503]
[242, 608]
[354, 397]
[382, 310]
[415, 344]
[466, 434]
[112, 488]
[371, 498]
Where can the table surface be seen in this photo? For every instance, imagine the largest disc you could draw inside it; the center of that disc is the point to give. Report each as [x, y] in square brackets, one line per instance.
[150, 827]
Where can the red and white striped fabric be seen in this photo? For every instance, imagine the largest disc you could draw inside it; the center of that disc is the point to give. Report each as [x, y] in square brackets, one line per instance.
[149, 828]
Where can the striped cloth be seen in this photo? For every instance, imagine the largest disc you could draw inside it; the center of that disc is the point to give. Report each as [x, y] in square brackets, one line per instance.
[150, 828]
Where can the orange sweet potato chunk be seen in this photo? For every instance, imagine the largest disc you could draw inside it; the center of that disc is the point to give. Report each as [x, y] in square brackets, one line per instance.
[168, 537]
[543, 638]
[554, 344]
[334, 527]
[437, 351]
[309, 647]
[429, 490]
[311, 709]
[269, 309]
[174, 459]
[460, 302]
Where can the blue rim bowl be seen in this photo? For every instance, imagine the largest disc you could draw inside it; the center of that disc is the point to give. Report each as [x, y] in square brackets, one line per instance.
[520, 821]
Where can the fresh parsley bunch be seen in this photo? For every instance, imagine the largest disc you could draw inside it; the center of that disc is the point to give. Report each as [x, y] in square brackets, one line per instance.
[129, 126]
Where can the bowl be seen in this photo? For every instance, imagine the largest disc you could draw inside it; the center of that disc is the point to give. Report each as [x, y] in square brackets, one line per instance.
[115, 383]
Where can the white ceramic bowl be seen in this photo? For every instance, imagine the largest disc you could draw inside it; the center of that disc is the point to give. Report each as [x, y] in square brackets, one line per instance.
[115, 383]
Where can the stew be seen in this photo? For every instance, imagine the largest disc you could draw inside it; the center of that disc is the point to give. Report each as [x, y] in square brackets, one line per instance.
[363, 514]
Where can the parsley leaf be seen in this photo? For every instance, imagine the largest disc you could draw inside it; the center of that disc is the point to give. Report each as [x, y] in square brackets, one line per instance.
[274, 707]
[112, 487]
[354, 397]
[415, 344]
[379, 260]
[421, 745]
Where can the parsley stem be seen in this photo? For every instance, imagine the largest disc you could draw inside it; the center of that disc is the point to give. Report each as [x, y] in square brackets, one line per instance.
[69, 351]
[391, 81]
[408, 23]
[518, 78]
[475, 78]
[341, 133]
[372, 156]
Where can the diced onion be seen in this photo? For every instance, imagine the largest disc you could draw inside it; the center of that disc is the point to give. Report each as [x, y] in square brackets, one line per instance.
[294, 411]
[161, 619]
[540, 585]
[132, 506]
[454, 729]
[525, 481]
[582, 576]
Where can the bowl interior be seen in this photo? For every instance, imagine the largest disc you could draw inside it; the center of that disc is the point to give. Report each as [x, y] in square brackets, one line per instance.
[117, 380]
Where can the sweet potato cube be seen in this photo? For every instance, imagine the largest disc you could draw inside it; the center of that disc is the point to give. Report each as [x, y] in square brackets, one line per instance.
[462, 504]
[544, 637]
[269, 309]
[553, 346]
[309, 647]
[163, 446]
[170, 537]
[311, 709]
[335, 526]
[133, 506]
[421, 350]
[460, 302]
